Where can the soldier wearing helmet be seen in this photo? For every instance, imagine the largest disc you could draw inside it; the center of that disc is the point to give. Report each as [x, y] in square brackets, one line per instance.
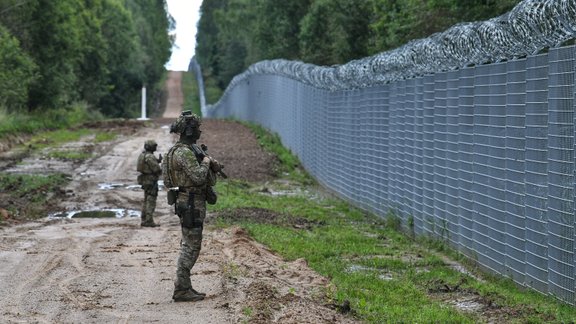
[192, 175]
[149, 167]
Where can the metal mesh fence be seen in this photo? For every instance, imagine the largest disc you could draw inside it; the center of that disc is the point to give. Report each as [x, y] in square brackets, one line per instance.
[481, 156]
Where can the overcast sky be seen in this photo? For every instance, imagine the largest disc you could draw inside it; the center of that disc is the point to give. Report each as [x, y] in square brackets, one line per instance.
[186, 14]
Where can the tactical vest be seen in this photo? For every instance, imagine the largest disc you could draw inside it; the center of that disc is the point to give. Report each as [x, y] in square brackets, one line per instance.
[167, 166]
[141, 165]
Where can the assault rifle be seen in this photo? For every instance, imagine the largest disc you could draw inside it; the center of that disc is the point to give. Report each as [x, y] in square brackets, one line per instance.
[201, 152]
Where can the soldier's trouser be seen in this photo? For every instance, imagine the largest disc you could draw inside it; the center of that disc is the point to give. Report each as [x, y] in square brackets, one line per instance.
[190, 244]
[150, 196]
[189, 252]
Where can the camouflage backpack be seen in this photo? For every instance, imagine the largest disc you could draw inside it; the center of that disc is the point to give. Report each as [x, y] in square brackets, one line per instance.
[140, 165]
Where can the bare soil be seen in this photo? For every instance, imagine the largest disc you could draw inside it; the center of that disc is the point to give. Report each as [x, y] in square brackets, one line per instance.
[110, 270]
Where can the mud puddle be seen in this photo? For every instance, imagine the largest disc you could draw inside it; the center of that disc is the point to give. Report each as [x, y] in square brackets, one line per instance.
[113, 186]
[103, 213]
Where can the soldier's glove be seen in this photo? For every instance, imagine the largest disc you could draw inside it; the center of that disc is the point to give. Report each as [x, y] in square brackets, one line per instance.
[215, 165]
[159, 158]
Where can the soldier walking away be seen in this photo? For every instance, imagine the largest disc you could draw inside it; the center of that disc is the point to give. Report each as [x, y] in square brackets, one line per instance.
[149, 167]
[194, 175]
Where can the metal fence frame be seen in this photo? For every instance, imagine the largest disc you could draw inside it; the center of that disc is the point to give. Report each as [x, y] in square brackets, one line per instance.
[480, 156]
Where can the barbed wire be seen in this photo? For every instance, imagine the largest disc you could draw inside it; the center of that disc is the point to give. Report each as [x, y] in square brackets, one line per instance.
[533, 25]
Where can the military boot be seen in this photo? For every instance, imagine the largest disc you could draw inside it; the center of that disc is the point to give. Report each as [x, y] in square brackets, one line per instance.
[150, 224]
[186, 296]
[197, 293]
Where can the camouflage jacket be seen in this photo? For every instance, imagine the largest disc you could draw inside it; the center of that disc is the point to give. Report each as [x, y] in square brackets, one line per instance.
[181, 169]
[148, 164]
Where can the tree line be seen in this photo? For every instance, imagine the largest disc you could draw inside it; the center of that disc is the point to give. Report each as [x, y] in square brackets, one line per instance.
[233, 34]
[54, 53]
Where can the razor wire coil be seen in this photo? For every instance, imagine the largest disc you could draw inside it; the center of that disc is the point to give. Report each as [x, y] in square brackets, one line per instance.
[531, 26]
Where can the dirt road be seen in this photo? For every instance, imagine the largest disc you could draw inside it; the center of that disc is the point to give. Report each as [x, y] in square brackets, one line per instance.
[175, 96]
[110, 270]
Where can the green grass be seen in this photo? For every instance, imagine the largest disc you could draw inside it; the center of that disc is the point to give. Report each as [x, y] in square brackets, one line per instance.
[31, 185]
[25, 196]
[213, 92]
[191, 94]
[24, 123]
[55, 138]
[105, 137]
[289, 164]
[385, 274]
[70, 155]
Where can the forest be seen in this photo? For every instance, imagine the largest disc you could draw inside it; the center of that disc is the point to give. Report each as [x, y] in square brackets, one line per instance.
[55, 55]
[233, 34]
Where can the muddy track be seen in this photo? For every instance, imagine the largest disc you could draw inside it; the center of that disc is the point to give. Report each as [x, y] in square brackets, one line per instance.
[102, 270]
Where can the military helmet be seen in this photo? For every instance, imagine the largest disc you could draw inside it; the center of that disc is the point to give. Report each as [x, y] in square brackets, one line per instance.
[150, 145]
[186, 123]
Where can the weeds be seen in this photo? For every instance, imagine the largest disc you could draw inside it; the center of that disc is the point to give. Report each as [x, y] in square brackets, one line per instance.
[25, 196]
[13, 123]
[289, 164]
[191, 93]
[104, 137]
[70, 155]
[233, 271]
[55, 139]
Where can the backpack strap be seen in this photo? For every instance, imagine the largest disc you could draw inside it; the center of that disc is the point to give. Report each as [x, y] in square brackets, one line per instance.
[169, 157]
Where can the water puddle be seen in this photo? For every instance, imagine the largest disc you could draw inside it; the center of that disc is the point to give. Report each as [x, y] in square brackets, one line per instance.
[283, 193]
[357, 268]
[278, 193]
[112, 186]
[386, 276]
[102, 213]
[470, 305]
[383, 275]
[109, 186]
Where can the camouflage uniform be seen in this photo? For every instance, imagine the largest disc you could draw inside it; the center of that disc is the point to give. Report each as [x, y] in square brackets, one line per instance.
[182, 169]
[150, 172]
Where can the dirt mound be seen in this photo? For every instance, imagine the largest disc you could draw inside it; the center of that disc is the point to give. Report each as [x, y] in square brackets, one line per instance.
[238, 149]
[264, 288]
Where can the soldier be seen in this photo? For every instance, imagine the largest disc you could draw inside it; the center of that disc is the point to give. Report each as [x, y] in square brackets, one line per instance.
[149, 167]
[193, 175]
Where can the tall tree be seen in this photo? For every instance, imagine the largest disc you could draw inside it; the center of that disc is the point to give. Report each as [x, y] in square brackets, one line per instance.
[232, 34]
[126, 71]
[152, 26]
[207, 42]
[93, 66]
[236, 42]
[397, 22]
[97, 51]
[335, 31]
[16, 16]
[56, 44]
[278, 26]
[17, 72]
